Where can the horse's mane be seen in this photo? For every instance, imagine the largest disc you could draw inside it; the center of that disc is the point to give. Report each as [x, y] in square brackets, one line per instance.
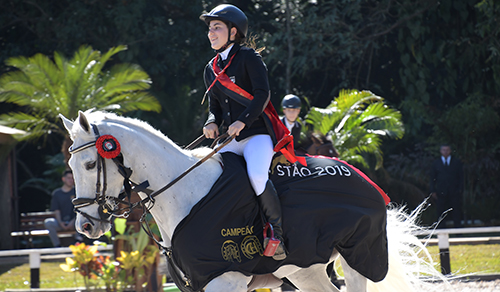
[97, 116]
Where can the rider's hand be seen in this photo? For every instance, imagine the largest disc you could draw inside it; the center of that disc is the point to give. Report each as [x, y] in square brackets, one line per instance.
[235, 128]
[211, 131]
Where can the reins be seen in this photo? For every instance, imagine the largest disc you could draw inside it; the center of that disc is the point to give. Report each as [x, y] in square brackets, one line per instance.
[105, 208]
[226, 141]
[195, 143]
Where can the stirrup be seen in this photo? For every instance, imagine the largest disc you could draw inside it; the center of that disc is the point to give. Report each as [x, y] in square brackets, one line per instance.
[273, 247]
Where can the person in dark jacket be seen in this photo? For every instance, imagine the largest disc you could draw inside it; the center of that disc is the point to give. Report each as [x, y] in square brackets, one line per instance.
[239, 96]
[291, 106]
[447, 185]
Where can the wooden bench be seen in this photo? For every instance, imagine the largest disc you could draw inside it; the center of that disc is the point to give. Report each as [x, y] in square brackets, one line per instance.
[32, 224]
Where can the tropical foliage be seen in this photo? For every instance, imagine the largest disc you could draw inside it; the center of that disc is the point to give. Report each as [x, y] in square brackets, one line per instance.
[357, 122]
[426, 58]
[44, 88]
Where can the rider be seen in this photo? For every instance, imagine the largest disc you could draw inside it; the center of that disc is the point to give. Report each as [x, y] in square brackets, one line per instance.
[239, 98]
[291, 106]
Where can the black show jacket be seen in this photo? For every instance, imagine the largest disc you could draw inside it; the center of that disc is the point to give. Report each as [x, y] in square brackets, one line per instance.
[248, 71]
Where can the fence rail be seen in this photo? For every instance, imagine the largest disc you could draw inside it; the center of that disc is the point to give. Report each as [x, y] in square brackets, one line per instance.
[443, 236]
[35, 258]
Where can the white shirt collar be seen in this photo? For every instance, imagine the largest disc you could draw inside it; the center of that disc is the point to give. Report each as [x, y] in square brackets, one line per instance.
[288, 125]
[446, 160]
[226, 52]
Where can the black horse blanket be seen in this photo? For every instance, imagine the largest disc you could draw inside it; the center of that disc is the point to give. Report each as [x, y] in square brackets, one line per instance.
[328, 204]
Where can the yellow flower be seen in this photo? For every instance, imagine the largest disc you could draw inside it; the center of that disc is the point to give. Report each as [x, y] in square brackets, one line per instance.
[130, 260]
[70, 265]
[93, 249]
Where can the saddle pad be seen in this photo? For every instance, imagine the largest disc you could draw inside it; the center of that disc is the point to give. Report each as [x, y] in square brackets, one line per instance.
[328, 204]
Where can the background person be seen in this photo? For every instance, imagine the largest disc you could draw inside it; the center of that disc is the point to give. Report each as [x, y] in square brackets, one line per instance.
[446, 185]
[291, 106]
[63, 208]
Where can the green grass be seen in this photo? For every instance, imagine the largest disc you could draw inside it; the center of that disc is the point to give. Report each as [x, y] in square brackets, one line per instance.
[51, 276]
[465, 259]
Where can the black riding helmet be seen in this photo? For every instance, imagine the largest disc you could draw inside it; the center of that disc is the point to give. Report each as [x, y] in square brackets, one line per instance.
[232, 16]
[291, 101]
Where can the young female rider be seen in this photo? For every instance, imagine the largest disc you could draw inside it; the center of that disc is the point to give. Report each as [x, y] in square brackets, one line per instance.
[238, 91]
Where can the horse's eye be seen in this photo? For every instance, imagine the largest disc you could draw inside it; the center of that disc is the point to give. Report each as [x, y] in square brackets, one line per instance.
[90, 165]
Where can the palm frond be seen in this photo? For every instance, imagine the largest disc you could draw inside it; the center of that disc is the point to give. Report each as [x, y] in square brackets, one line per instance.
[34, 125]
[353, 102]
[47, 88]
[381, 119]
[356, 121]
[129, 101]
[124, 77]
[322, 119]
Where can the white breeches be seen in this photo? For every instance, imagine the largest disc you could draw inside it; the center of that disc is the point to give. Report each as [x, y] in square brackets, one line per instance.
[258, 153]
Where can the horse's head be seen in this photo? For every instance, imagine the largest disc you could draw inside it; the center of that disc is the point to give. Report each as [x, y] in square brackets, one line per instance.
[321, 145]
[98, 182]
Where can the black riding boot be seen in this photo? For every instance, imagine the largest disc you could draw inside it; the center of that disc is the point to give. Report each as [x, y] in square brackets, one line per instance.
[271, 206]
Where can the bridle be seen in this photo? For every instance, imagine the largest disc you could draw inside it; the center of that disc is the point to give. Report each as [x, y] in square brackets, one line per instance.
[318, 149]
[108, 206]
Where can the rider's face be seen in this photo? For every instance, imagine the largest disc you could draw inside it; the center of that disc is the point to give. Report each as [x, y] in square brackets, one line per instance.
[291, 114]
[217, 34]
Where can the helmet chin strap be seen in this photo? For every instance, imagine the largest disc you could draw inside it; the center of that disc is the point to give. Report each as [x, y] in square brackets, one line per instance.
[229, 41]
[224, 47]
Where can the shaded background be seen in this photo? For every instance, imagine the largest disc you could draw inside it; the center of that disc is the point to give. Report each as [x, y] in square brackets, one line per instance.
[438, 62]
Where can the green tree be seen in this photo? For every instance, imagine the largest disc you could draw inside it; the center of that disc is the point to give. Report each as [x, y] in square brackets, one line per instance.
[439, 68]
[332, 44]
[43, 88]
[356, 122]
[476, 145]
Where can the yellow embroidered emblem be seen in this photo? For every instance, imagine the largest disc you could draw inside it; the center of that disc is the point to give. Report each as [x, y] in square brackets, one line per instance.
[230, 251]
[250, 246]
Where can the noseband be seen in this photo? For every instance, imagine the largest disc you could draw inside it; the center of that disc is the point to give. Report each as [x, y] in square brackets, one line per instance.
[107, 205]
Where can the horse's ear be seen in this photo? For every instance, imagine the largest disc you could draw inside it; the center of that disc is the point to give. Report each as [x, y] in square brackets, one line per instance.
[67, 123]
[316, 140]
[84, 123]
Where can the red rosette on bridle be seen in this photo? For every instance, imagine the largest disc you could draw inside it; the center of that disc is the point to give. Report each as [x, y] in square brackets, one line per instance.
[108, 147]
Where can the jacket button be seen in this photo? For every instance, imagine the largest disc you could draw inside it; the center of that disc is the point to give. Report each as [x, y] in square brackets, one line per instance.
[228, 113]
[226, 100]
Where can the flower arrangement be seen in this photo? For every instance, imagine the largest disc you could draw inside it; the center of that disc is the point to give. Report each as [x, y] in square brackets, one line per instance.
[130, 270]
[92, 267]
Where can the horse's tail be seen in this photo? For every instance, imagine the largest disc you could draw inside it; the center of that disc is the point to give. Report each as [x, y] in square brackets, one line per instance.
[409, 261]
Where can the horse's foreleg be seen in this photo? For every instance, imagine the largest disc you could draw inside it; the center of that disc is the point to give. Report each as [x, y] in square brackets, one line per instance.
[312, 279]
[228, 282]
[354, 281]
